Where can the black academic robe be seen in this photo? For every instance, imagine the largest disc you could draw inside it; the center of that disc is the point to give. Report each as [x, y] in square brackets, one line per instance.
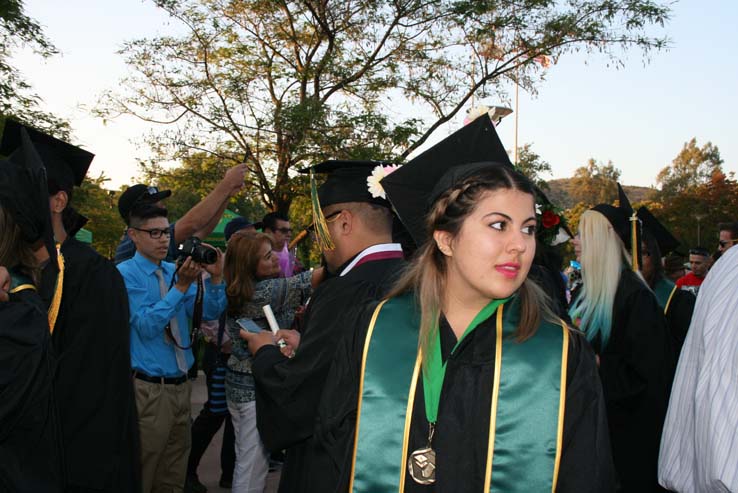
[93, 385]
[679, 312]
[637, 368]
[288, 390]
[462, 429]
[30, 455]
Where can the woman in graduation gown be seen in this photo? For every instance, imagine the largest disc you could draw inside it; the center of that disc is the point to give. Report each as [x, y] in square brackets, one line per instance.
[625, 324]
[29, 436]
[464, 380]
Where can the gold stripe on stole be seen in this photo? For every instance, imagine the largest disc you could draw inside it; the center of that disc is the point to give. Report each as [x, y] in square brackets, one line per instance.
[668, 302]
[408, 419]
[493, 407]
[22, 287]
[56, 300]
[562, 403]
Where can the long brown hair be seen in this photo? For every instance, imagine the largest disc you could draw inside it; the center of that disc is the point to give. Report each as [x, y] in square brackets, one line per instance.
[239, 270]
[15, 253]
[427, 273]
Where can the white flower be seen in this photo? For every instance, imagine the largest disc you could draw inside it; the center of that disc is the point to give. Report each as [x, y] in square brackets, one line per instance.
[475, 113]
[372, 181]
[538, 209]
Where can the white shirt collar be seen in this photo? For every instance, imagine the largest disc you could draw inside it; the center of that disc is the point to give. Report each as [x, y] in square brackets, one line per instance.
[382, 247]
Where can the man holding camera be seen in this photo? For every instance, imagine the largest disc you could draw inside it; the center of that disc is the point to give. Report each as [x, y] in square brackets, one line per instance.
[161, 297]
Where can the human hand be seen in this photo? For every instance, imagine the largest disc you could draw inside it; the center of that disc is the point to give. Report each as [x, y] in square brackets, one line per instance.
[256, 340]
[188, 272]
[291, 339]
[4, 284]
[215, 270]
[234, 178]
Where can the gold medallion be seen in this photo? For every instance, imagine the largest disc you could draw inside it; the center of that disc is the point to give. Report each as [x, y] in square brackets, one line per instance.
[422, 466]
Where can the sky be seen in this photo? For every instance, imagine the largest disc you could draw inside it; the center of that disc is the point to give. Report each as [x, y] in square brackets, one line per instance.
[638, 116]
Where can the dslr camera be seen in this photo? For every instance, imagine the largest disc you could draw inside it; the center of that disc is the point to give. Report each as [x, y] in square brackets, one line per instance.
[202, 254]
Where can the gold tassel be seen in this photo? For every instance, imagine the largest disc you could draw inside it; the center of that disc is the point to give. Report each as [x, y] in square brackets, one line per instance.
[321, 226]
[56, 301]
[634, 246]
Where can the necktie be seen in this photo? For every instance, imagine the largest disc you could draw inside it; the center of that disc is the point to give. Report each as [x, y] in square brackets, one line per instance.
[178, 352]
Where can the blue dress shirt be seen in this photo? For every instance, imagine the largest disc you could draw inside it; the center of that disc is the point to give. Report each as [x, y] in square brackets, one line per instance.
[151, 350]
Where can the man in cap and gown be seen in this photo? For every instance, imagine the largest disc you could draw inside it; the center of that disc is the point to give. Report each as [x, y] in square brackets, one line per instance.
[468, 400]
[354, 228]
[677, 304]
[30, 451]
[88, 318]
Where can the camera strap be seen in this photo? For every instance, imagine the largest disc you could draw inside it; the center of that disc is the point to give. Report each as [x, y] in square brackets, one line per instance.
[196, 313]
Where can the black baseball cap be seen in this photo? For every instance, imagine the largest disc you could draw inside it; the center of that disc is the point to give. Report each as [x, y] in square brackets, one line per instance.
[235, 224]
[139, 194]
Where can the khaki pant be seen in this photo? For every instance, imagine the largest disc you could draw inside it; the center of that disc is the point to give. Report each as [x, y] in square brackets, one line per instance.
[164, 424]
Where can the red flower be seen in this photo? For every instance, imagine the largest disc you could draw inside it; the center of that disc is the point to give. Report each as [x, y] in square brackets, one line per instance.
[550, 219]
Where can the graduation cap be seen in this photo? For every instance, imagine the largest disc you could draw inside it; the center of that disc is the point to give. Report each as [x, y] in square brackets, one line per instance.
[666, 241]
[414, 187]
[346, 181]
[626, 224]
[23, 192]
[66, 164]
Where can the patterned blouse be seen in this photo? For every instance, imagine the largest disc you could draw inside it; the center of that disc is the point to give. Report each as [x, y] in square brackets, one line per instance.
[284, 295]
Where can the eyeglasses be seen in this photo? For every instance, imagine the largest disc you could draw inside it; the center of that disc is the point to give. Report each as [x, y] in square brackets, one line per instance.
[284, 231]
[155, 233]
[646, 253]
[724, 243]
[332, 215]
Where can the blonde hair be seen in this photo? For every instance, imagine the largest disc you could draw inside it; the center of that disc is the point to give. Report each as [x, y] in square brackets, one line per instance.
[239, 269]
[426, 275]
[603, 258]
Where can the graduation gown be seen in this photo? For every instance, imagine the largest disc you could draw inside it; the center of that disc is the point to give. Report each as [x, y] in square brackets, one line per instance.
[678, 312]
[93, 380]
[637, 368]
[30, 456]
[462, 429]
[288, 390]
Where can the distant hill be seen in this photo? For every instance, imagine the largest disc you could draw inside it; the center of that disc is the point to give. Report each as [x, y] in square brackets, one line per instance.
[559, 189]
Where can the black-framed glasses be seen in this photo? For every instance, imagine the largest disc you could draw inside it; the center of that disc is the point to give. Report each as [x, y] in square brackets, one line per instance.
[284, 231]
[333, 214]
[646, 253]
[724, 243]
[155, 233]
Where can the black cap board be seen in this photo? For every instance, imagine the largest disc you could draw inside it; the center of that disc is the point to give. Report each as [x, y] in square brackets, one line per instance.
[65, 163]
[346, 181]
[23, 191]
[666, 241]
[415, 186]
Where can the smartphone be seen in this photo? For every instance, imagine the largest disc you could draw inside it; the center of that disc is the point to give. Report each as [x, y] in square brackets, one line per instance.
[248, 325]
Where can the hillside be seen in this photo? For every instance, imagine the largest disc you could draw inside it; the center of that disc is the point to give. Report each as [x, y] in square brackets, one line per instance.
[558, 193]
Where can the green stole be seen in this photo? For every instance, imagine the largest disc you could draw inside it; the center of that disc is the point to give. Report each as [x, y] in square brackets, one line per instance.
[526, 416]
[664, 290]
[19, 282]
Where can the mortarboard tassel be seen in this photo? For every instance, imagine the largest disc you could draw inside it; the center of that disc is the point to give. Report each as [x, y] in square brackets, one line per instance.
[634, 242]
[321, 226]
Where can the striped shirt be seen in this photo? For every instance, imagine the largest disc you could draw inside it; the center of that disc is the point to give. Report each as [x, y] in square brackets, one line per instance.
[699, 446]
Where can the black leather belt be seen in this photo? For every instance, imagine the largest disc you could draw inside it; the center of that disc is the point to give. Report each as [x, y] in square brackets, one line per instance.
[160, 380]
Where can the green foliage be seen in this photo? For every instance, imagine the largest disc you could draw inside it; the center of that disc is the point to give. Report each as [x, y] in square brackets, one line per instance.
[532, 166]
[100, 206]
[693, 166]
[287, 83]
[595, 183]
[16, 98]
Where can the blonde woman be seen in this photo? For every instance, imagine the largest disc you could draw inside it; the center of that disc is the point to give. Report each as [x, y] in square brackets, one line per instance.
[464, 380]
[623, 321]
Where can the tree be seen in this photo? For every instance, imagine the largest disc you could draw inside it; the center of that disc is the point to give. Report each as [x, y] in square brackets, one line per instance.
[286, 83]
[532, 166]
[16, 99]
[595, 183]
[100, 207]
[692, 167]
